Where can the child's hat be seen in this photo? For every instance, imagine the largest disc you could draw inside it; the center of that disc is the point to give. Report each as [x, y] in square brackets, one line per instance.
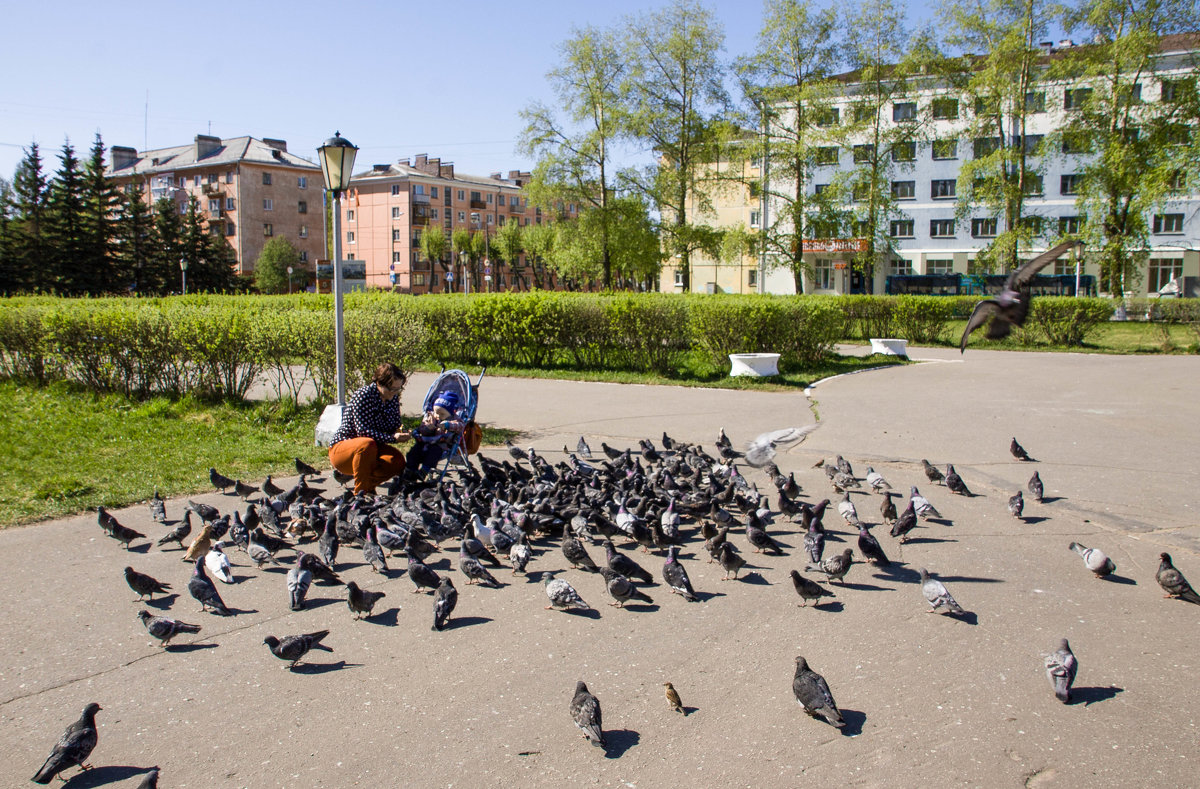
[447, 400]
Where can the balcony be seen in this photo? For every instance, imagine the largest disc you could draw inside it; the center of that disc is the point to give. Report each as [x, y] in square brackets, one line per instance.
[420, 198]
[420, 220]
[213, 189]
[478, 204]
[516, 209]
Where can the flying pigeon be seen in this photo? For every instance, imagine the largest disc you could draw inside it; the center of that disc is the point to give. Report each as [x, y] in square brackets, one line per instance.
[444, 601]
[762, 449]
[1061, 667]
[937, 594]
[73, 748]
[1011, 307]
[1173, 582]
[561, 593]
[1018, 451]
[145, 585]
[585, 711]
[361, 601]
[812, 692]
[292, 648]
[676, 576]
[1094, 559]
[164, 628]
[808, 589]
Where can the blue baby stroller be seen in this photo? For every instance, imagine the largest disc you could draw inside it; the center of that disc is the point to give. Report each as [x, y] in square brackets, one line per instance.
[466, 395]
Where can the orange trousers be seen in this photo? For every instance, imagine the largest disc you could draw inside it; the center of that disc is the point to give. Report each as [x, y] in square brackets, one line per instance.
[370, 461]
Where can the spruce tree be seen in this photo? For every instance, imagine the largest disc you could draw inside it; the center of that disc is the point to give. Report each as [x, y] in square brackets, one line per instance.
[68, 272]
[164, 273]
[27, 231]
[133, 264]
[101, 208]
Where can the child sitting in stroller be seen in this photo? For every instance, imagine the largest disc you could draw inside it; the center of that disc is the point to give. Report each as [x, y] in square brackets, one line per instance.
[435, 437]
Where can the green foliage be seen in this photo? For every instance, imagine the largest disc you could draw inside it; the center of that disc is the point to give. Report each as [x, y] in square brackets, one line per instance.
[1064, 320]
[271, 268]
[802, 329]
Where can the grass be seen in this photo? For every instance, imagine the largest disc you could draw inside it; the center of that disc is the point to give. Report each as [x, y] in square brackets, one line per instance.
[1117, 337]
[68, 450]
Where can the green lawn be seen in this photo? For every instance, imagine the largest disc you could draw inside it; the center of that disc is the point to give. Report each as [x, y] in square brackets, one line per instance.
[1110, 337]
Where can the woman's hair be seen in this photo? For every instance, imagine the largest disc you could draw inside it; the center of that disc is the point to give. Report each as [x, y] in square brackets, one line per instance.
[386, 373]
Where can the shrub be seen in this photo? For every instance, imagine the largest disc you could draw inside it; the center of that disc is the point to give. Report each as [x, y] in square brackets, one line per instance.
[23, 345]
[922, 319]
[1066, 320]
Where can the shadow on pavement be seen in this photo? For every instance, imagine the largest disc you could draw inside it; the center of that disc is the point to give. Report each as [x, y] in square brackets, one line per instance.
[1087, 696]
[100, 776]
[466, 621]
[322, 668]
[618, 741]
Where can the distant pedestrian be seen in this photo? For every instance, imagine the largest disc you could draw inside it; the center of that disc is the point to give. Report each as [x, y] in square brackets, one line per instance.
[370, 421]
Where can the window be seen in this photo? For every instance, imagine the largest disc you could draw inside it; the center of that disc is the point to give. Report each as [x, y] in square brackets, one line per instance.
[823, 274]
[1075, 143]
[752, 278]
[460, 194]
[1131, 94]
[985, 146]
[864, 113]
[899, 267]
[755, 218]
[1069, 183]
[397, 235]
[983, 228]
[678, 278]
[987, 105]
[229, 176]
[350, 237]
[901, 228]
[268, 204]
[396, 212]
[904, 190]
[266, 179]
[214, 230]
[1031, 223]
[228, 203]
[904, 152]
[433, 192]
[230, 229]
[942, 189]
[827, 155]
[513, 200]
[820, 189]
[1168, 223]
[489, 198]
[418, 279]
[304, 256]
[303, 207]
[462, 216]
[214, 206]
[475, 198]
[1069, 225]
[941, 228]
[1174, 90]
[433, 214]
[1177, 182]
[213, 178]
[196, 180]
[904, 111]
[945, 149]
[941, 266]
[829, 117]
[1035, 101]
[1163, 270]
[491, 219]
[944, 109]
[501, 220]
[419, 189]
[395, 190]
[861, 191]
[1033, 184]
[1032, 141]
[396, 258]
[1075, 98]
[302, 181]
[863, 153]
[1178, 134]
[268, 230]
[350, 215]
[303, 231]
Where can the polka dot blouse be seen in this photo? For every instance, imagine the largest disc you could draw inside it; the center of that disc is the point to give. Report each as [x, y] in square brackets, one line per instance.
[367, 415]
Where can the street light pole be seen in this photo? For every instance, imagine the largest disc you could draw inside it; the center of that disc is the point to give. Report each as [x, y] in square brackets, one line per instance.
[183, 271]
[289, 280]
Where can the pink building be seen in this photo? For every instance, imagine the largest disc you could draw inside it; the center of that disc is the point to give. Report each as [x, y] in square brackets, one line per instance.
[389, 206]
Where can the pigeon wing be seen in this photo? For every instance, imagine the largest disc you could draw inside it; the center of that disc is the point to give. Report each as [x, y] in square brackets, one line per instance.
[979, 316]
[761, 450]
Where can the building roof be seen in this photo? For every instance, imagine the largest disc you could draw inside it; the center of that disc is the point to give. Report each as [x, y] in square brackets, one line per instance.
[402, 169]
[210, 152]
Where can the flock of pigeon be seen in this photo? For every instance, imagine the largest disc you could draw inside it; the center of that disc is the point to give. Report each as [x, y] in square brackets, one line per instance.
[521, 507]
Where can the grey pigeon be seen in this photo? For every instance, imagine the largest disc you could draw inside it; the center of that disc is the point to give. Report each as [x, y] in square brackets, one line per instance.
[176, 535]
[814, 544]
[372, 553]
[758, 537]
[931, 472]
[1018, 451]
[320, 571]
[835, 567]
[906, 522]
[870, 548]
[120, 533]
[219, 481]
[676, 576]
[305, 469]
[270, 488]
[1094, 559]
[937, 595]
[954, 482]
[621, 588]
[150, 780]
[876, 480]
[561, 593]
[145, 585]
[164, 628]
[1035, 487]
[419, 573]
[583, 449]
[73, 748]
[243, 490]
[585, 711]
[1061, 667]
[730, 560]
[520, 554]
[474, 570]
[361, 601]
[761, 450]
[158, 509]
[201, 588]
[809, 589]
[207, 512]
[843, 466]
[577, 555]
[444, 601]
[292, 648]
[924, 509]
[1016, 504]
[624, 565]
[298, 581]
[812, 692]
[1173, 582]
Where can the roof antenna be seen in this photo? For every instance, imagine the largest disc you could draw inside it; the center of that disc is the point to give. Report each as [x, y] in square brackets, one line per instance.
[146, 124]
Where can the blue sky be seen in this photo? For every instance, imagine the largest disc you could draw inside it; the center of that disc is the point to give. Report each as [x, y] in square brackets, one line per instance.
[396, 78]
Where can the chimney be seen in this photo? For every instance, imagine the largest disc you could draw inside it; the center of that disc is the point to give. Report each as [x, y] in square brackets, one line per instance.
[434, 166]
[122, 156]
[419, 161]
[404, 162]
[496, 177]
[446, 170]
[279, 145]
[206, 145]
[380, 168]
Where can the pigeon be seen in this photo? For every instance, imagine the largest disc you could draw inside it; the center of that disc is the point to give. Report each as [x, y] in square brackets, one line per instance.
[848, 511]
[200, 545]
[178, 533]
[887, 508]
[1035, 487]
[217, 563]
[876, 480]
[809, 590]
[243, 490]
[905, 523]
[611, 452]
[954, 482]
[835, 567]
[622, 564]
[1173, 582]
[924, 509]
[1016, 504]
[585, 711]
[207, 512]
[474, 571]
[342, 478]
[205, 593]
[561, 593]
[260, 549]
[122, 534]
[269, 488]
[758, 537]
[298, 581]
[150, 780]
[937, 594]
[292, 648]
[676, 576]
[158, 509]
[814, 544]
[220, 481]
[520, 554]
[1094, 559]
[1011, 307]
[372, 553]
[1061, 667]
[931, 472]
[422, 577]
[164, 628]
[514, 451]
[621, 588]
[1018, 451]
[306, 470]
[361, 601]
[444, 601]
[145, 585]
[812, 692]
[320, 571]
[762, 449]
[731, 561]
[577, 555]
[870, 548]
[673, 698]
[73, 748]
[582, 448]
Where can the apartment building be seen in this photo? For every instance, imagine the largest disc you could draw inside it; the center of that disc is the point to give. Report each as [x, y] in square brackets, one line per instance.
[389, 206]
[249, 191]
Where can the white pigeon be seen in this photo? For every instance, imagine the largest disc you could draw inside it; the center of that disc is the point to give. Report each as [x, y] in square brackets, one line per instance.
[1061, 667]
[937, 595]
[625, 519]
[217, 564]
[847, 511]
[1094, 559]
[921, 504]
[876, 480]
[519, 555]
[761, 450]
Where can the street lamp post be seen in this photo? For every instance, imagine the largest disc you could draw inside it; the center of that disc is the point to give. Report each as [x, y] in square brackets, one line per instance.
[183, 272]
[337, 166]
[289, 280]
